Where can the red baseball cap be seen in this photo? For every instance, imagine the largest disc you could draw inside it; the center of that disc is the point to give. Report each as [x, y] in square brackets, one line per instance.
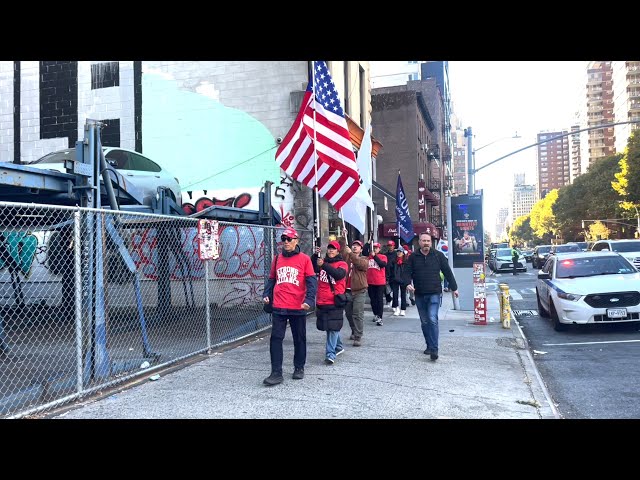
[391, 242]
[334, 244]
[290, 232]
[357, 242]
[376, 244]
[406, 248]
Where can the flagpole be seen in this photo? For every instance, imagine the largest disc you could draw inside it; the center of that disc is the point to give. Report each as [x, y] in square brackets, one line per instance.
[315, 156]
[397, 219]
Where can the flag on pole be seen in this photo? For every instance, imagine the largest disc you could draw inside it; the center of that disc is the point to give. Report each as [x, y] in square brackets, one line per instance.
[364, 158]
[355, 210]
[405, 226]
[337, 177]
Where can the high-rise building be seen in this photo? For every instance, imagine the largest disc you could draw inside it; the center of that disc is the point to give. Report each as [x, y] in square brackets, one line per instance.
[502, 222]
[599, 143]
[460, 165]
[574, 153]
[553, 162]
[523, 197]
[626, 99]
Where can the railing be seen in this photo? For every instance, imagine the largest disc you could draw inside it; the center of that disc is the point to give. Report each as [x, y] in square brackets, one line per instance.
[92, 298]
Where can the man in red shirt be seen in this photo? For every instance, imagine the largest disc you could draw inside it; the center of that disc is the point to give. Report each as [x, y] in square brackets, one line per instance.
[376, 279]
[292, 285]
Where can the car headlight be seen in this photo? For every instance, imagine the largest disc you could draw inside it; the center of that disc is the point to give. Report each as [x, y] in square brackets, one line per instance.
[570, 296]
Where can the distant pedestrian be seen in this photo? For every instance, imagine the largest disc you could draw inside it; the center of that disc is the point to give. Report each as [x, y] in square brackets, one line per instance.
[390, 253]
[377, 279]
[291, 289]
[332, 270]
[424, 267]
[357, 284]
[515, 255]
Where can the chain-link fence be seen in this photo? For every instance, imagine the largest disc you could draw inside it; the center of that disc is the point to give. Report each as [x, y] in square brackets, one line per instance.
[91, 298]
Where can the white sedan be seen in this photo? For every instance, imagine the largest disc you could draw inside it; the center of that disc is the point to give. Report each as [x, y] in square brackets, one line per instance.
[588, 287]
[142, 172]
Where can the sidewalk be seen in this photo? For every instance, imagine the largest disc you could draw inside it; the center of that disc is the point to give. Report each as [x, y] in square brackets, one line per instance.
[484, 372]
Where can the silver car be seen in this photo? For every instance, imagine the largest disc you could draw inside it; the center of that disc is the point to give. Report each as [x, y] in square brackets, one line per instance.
[140, 171]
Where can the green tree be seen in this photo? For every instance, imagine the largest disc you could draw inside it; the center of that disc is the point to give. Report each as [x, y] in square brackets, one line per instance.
[521, 232]
[626, 184]
[543, 222]
[589, 197]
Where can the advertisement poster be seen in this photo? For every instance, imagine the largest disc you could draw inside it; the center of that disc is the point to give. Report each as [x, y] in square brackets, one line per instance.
[479, 294]
[466, 230]
[208, 240]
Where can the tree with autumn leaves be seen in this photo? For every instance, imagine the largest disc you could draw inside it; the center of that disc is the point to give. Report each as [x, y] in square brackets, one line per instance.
[609, 190]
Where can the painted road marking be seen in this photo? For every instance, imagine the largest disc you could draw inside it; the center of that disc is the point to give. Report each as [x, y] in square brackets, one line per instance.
[588, 343]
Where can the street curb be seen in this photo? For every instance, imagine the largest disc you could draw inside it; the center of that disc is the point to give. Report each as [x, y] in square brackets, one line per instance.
[532, 367]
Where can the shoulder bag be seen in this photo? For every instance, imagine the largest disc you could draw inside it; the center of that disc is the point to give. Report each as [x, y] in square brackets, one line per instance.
[268, 307]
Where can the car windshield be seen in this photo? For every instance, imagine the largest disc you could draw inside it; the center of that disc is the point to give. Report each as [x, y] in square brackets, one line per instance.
[567, 248]
[592, 266]
[544, 249]
[632, 246]
[503, 252]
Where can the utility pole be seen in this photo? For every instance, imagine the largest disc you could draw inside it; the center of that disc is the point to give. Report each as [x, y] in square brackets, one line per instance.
[470, 161]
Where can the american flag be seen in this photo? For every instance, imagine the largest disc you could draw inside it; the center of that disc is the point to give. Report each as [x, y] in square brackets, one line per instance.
[337, 178]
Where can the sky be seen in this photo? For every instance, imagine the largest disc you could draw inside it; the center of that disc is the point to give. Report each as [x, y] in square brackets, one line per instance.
[498, 99]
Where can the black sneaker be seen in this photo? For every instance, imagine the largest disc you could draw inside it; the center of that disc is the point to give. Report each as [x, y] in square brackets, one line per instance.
[298, 374]
[274, 379]
[434, 355]
[427, 351]
[329, 361]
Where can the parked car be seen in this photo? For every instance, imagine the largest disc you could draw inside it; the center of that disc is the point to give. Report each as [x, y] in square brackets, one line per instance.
[630, 249]
[527, 253]
[140, 171]
[502, 261]
[588, 287]
[564, 248]
[540, 254]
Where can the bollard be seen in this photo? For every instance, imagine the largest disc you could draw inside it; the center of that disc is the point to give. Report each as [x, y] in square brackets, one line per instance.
[505, 306]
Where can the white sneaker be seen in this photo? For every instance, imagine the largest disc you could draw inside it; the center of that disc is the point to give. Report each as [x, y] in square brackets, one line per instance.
[402, 313]
[396, 311]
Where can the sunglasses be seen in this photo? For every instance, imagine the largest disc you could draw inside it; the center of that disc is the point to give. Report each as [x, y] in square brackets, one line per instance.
[287, 239]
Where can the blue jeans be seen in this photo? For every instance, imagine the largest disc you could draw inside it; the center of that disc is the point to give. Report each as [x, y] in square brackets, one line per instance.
[428, 306]
[334, 343]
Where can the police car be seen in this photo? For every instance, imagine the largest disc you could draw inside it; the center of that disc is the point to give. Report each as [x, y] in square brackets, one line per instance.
[588, 287]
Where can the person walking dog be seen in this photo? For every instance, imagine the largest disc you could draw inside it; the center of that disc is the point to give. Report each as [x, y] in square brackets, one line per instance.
[424, 267]
[291, 290]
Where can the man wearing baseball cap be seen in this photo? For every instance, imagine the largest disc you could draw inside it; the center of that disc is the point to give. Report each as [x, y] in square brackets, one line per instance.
[292, 289]
[357, 283]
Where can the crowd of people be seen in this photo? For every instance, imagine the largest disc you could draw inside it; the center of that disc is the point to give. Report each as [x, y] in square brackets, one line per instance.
[336, 283]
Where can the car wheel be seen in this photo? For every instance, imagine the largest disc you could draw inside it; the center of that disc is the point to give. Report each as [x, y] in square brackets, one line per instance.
[557, 326]
[541, 311]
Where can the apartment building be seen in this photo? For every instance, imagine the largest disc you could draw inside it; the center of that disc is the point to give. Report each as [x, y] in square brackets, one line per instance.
[553, 165]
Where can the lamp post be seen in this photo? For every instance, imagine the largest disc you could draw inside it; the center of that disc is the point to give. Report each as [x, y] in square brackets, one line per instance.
[471, 155]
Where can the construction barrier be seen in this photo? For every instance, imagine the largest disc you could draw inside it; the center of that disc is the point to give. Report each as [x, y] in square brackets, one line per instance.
[505, 306]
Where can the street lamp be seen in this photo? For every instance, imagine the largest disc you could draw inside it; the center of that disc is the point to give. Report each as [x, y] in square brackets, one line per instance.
[471, 155]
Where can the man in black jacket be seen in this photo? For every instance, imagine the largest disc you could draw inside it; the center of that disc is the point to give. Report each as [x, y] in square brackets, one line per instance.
[423, 268]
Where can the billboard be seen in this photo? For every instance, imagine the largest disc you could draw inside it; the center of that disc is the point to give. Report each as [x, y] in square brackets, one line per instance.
[466, 230]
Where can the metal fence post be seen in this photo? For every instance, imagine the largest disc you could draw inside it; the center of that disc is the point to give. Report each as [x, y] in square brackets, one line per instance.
[207, 302]
[78, 296]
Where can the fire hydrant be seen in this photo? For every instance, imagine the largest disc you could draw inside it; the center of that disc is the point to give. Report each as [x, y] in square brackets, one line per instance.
[505, 306]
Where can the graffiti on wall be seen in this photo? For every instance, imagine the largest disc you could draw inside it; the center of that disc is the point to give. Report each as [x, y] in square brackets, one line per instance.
[204, 202]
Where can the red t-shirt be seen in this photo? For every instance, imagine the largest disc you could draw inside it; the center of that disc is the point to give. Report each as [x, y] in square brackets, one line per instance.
[325, 295]
[290, 288]
[375, 274]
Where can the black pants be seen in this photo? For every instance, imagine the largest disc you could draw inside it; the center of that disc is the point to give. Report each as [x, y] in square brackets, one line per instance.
[376, 295]
[298, 331]
[395, 287]
[515, 266]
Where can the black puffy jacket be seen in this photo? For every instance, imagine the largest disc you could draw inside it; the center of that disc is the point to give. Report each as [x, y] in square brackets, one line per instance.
[425, 270]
